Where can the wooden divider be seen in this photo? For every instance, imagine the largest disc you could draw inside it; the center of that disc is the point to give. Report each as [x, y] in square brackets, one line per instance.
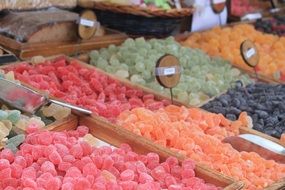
[28, 50]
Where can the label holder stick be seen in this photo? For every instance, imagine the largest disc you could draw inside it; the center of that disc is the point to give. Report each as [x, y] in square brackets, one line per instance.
[168, 72]
[250, 55]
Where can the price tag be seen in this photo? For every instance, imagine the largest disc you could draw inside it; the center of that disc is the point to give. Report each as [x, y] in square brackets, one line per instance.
[252, 16]
[249, 53]
[86, 22]
[87, 25]
[218, 5]
[166, 71]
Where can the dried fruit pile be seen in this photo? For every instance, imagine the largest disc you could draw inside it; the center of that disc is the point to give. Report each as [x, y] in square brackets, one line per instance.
[82, 86]
[275, 25]
[198, 134]
[62, 160]
[265, 104]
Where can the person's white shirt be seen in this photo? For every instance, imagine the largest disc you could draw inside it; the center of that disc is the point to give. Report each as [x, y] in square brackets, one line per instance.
[205, 18]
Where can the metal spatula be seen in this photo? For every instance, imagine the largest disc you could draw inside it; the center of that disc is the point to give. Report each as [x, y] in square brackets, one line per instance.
[27, 100]
[253, 143]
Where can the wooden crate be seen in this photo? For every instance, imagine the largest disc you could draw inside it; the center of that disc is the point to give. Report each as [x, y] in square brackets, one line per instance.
[28, 50]
[7, 56]
[68, 123]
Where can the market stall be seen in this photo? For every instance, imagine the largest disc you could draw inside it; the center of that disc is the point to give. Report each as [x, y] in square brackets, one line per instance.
[117, 95]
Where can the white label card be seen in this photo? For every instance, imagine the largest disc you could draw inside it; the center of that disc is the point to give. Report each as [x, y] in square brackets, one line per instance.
[86, 22]
[166, 71]
[169, 71]
[218, 1]
[251, 52]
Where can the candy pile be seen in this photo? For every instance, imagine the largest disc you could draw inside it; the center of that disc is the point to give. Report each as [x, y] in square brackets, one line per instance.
[198, 135]
[242, 7]
[61, 160]
[12, 123]
[275, 25]
[265, 104]
[82, 86]
[225, 42]
[202, 76]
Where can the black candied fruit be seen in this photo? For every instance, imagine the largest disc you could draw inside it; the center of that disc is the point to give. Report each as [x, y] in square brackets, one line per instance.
[264, 103]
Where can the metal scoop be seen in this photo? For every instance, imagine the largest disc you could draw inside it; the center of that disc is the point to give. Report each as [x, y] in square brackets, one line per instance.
[253, 143]
[27, 100]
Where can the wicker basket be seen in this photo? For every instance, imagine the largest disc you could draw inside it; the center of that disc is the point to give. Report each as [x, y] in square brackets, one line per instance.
[137, 21]
[136, 10]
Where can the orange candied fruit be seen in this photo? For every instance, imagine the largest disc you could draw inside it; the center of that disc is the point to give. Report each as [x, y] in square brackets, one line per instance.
[198, 135]
[225, 42]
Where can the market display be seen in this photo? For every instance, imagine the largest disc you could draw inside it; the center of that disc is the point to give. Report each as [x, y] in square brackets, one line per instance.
[263, 102]
[62, 160]
[202, 76]
[225, 42]
[135, 134]
[85, 87]
[199, 135]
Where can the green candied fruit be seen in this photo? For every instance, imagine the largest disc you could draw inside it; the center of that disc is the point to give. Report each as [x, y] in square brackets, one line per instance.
[12, 147]
[3, 115]
[16, 140]
[201, 75]
[14, 116]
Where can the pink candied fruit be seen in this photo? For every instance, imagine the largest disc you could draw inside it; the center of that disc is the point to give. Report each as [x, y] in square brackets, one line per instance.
[90, 169]
[29, 172]
[48, 167]
[55, 158]
[4, 163]
[7, 154]
[85, 87]
[68, 163]
[127, 175]
[32, 128]
[5, 173]
[76, 151]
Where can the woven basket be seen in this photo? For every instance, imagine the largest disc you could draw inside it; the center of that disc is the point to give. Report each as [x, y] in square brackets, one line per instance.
[136, 25]
[136, 10]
